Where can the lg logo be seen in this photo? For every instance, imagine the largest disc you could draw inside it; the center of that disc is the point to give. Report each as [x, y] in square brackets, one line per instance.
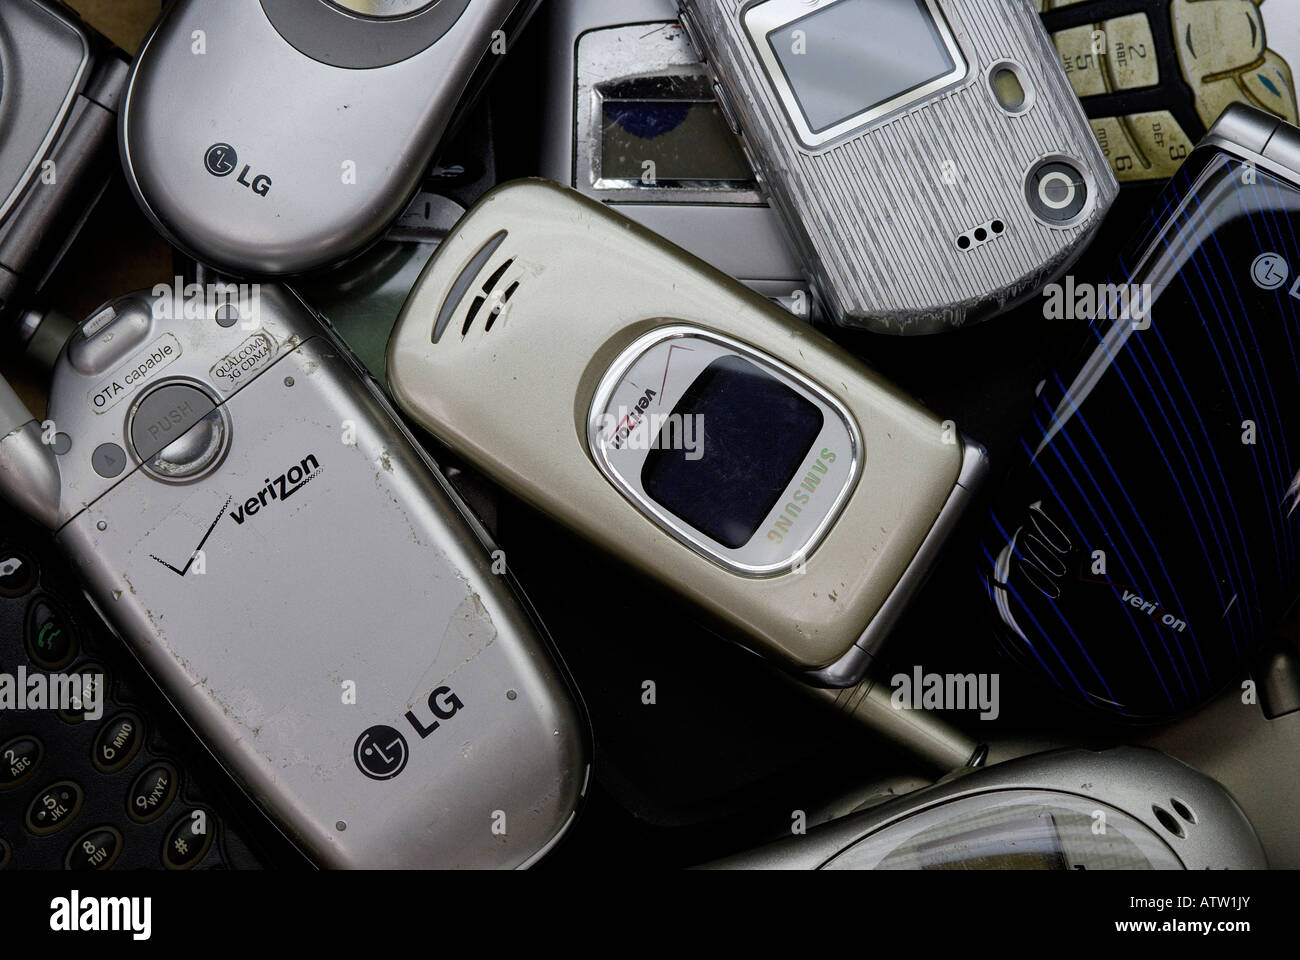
[221, 160]
[381, 751]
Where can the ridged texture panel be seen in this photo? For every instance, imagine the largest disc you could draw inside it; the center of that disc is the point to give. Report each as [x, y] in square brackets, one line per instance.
[872, 215]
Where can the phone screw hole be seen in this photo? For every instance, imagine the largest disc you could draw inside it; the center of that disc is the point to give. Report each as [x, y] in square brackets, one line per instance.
[511, 695]
[341, 825]
[288, 381]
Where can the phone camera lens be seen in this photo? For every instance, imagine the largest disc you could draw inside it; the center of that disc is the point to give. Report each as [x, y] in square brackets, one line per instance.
[1057, 192]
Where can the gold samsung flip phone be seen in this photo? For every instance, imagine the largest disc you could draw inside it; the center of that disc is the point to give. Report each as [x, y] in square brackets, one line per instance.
[682, 422]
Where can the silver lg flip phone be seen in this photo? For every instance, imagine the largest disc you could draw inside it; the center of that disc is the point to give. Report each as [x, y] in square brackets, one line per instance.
[301, 581]
[1123, 809]
[929, 157]
[273, 137]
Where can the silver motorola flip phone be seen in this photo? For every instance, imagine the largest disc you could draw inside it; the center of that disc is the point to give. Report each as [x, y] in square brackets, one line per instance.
[273, 137]
[301, 582]
[60, 86]
[929, 157]
[632, 121]
[1128, 808]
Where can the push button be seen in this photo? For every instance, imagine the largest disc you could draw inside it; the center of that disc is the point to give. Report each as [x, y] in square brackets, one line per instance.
[109, 337]
[164, 414]
[1131, 57]
[95, 849]
[1125, 160]
[1270, 85]
[5, 853]
[188, 840]
[54, 808]
[19, 759]
[152, 793]
[94, 682]
[1079, 48]
[724, 104]
[1222, 36]
[1162, 141]
[178, 432]
[108, 460]
[17, 574]
[50, 639]
[118, 741]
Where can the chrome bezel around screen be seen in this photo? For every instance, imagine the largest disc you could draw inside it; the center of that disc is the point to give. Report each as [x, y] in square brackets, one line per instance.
[832, 410]
[766, 16]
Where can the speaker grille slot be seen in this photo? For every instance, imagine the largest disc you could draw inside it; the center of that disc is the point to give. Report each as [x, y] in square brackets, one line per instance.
[497, 275]
[473, 312]
[461, 285]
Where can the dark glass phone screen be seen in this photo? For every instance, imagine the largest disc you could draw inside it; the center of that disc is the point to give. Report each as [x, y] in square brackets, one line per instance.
[687, 141]
[755, 433]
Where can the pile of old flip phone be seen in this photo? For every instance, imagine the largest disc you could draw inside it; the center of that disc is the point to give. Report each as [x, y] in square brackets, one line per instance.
[258, 585]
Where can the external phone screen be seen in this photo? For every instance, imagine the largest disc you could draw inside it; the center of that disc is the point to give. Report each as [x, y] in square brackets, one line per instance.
[756, 432]
[674, 123]
[854, 55]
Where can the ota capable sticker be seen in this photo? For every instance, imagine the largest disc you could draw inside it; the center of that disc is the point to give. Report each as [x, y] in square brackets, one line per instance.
[137, 371]
[243, 363]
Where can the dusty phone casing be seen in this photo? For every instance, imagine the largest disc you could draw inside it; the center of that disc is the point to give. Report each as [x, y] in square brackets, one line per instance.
[527, 327]
[914, 214]
[625, 87]
[1038, 813]
[60, 86]
[304, 585]
[304, 153]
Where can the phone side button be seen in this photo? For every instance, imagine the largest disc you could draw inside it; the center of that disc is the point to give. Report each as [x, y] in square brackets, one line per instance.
[724, 104]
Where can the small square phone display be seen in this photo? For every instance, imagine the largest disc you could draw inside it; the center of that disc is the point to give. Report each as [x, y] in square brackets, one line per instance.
[855, 55]
[725, 448]
[753, 434]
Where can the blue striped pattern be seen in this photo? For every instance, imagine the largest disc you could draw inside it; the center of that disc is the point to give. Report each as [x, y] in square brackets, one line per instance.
[1137, 452]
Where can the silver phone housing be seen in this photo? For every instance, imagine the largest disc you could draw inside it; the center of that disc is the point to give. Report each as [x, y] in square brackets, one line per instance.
[274, 137]
[1173, 816]
[60, 86]
[312, 596]
[877, 205]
